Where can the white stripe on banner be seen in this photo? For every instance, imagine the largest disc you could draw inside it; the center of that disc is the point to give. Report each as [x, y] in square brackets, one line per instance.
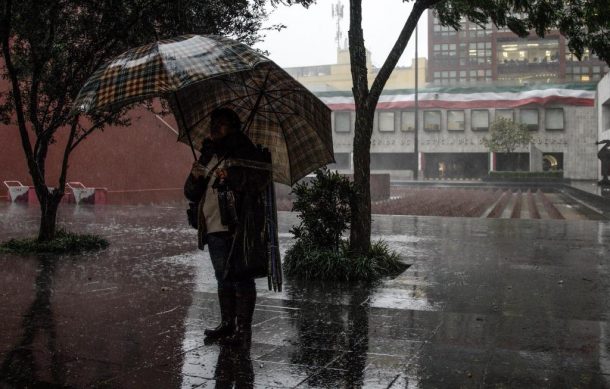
[465, 97]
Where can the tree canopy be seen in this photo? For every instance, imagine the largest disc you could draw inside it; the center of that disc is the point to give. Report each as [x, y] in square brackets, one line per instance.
[585, 23]
[505, 136]
[50, 48]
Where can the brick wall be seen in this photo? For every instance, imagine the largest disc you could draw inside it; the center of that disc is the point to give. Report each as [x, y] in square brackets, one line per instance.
[141, 163]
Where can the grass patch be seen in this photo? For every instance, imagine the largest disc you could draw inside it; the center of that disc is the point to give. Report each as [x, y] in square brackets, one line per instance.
[307, 261]
[64, 243]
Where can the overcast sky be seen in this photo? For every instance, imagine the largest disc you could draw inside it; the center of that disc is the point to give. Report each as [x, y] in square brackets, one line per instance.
[309, 38]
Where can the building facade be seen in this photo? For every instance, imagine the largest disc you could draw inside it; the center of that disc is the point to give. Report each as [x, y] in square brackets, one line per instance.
[491, 55]
[454, 121]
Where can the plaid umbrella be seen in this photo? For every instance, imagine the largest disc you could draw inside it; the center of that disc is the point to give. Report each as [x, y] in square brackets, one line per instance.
[198, 74]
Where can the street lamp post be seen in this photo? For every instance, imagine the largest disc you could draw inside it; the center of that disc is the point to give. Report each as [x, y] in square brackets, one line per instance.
[416, 137]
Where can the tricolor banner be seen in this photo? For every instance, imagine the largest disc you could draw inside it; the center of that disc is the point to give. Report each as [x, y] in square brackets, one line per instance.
[472, 98]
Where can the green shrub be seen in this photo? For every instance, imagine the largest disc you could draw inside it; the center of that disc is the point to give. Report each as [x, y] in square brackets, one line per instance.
[308, 261]
[64, 243]
[319, 253]
[324, 207]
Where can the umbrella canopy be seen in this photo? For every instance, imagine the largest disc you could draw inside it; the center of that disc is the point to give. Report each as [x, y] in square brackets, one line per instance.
[198, 74]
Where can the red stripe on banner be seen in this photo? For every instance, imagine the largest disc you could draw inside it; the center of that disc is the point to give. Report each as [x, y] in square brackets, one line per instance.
[427, 104]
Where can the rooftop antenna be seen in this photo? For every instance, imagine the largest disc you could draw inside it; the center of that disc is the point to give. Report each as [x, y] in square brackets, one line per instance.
[338, 15]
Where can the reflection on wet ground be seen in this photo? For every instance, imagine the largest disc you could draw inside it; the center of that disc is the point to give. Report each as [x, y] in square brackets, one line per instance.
[486, 303]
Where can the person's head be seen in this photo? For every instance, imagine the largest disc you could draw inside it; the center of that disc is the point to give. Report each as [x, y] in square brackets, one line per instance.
[224, 121]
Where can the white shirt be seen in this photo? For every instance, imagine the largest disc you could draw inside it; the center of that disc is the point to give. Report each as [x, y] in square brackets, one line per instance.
[211, 210]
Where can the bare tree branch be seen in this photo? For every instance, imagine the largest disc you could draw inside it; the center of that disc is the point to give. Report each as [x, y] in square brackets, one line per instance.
[16, 93]
[398, 49]
[67, 150]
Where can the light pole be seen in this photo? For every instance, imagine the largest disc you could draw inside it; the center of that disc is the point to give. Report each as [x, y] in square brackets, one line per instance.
[416, 137]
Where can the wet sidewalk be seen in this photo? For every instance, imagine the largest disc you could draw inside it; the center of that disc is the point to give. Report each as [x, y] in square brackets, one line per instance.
[486, 303]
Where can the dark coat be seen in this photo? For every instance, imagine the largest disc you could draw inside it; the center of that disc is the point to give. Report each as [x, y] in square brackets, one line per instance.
[248, 177]
[604, 157]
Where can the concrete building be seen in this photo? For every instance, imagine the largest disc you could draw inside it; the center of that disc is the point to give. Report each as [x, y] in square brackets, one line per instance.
[491, 55]
[454, 121]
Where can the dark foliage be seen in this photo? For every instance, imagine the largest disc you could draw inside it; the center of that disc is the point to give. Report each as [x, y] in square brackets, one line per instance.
[324, 208]
[63, 243]
[306, 260]
[319, 253]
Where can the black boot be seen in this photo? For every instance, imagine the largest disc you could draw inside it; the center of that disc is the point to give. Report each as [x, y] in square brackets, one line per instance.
[245, 302]
[226, 297]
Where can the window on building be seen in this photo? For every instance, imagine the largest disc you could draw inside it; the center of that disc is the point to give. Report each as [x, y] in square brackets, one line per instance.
[514, 53]
[432, 120]
[342, 161]
[477, 31]
[505, 113]
[392, 161]
[447, 77]
[343, 121]
[386, 121]
[479, 120]
[553, 118]
[537, 58]
[445, 54]
[586, 55]
[479, 53]
[529, 117]
[440, 30]
[407, 121]
[455, 120]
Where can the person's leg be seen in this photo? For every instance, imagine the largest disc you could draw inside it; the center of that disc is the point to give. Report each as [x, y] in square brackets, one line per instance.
[219, 246]
[245, 297]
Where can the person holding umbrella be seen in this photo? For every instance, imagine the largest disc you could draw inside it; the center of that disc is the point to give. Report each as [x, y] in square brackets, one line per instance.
[211, 78]
[227, 183]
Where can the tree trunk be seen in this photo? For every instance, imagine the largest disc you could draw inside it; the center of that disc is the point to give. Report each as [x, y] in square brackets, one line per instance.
[49, 203]
[360, 233]
[360, 229]
[366, 102]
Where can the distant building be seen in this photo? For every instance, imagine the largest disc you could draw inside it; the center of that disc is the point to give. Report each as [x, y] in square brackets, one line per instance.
[453, 122]
[485, 55]
[338, 77]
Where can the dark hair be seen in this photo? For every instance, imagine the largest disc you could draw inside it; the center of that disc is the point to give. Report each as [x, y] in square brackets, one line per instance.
[229, 114]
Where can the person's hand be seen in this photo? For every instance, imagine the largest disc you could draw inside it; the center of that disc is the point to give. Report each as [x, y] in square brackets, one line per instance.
[197, 170]
[222, 173]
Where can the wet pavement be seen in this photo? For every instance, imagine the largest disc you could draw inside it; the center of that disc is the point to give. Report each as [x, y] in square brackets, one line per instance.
[486, 303]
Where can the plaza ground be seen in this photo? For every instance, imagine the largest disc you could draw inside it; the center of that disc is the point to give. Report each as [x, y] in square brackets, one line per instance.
[486, 302]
